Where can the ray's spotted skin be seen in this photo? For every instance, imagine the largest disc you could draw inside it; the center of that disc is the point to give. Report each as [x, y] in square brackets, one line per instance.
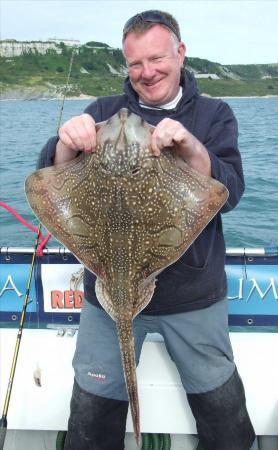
[126, 215]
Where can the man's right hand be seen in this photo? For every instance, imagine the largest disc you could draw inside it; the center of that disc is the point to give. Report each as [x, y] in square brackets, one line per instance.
[77, 134]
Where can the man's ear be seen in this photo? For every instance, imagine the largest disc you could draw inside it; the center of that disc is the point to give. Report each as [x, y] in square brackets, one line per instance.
[182, 52]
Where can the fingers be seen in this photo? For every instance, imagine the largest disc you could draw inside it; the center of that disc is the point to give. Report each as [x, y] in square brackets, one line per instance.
[90, 127]
[79, 133]
[167, 134]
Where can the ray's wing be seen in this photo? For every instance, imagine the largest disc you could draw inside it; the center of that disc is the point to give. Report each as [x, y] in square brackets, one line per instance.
[66, 201]
[181, 207]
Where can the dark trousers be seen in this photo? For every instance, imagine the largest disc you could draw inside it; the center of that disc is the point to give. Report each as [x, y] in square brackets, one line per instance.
[98, 423]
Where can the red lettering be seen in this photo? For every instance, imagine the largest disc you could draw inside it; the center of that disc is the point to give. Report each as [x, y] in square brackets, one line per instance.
[69, 301]
[78, 299]
[57, 298]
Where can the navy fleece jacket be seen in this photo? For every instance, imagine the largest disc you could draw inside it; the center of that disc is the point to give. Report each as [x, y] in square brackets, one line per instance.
[198, 278]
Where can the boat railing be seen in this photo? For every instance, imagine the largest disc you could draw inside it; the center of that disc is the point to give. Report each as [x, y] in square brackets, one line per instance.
[230, 251]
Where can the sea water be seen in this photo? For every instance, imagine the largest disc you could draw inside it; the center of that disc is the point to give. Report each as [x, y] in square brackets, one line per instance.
[25, 126]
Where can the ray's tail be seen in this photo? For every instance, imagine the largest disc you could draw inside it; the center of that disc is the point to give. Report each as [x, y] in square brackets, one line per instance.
[126, 341]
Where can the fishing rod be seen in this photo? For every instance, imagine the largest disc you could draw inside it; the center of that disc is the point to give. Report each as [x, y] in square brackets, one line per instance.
[3, 420]
[65, 91]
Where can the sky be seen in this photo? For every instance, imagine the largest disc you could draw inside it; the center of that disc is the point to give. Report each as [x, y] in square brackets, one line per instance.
[224, 31]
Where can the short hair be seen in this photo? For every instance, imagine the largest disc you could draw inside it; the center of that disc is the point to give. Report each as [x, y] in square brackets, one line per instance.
[147, 19]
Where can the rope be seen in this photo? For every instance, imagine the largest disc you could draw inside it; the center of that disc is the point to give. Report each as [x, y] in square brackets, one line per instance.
[24, 222]
[156, 441]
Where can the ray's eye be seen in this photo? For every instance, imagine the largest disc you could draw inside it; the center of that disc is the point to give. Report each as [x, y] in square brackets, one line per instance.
[135, 170]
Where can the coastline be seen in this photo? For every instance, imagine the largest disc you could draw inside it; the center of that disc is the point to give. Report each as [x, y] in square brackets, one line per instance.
[248, 96]
[49, 99]
[91, 97]
[51, 93]
[28, 96]
[38, 92]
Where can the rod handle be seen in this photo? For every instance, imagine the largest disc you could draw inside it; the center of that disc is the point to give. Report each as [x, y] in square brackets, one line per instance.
[3, 431]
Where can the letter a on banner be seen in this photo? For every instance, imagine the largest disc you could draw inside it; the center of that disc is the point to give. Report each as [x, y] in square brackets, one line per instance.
[10, 286]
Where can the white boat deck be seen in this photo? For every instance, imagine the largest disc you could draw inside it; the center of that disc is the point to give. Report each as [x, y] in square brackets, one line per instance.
[163, 403]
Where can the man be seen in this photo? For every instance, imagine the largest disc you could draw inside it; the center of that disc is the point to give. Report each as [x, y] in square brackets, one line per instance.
[189, 306]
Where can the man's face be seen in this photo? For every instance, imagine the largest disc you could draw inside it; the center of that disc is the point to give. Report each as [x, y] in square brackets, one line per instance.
[154, 59]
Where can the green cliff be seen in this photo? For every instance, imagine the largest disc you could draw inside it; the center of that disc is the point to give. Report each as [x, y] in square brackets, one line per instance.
[98, 69]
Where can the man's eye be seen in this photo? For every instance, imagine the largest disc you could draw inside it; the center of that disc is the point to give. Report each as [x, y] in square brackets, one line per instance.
[134, 65]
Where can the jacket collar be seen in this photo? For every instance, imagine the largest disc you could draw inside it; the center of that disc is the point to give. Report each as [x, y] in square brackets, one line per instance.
[187, 82]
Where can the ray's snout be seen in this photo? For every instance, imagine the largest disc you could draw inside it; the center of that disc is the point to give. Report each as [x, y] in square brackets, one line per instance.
[123, 144]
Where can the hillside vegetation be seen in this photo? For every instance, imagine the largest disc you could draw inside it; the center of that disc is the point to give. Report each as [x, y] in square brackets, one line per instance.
[99, 70]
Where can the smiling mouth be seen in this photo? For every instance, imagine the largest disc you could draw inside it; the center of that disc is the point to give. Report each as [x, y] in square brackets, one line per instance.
[152, 84]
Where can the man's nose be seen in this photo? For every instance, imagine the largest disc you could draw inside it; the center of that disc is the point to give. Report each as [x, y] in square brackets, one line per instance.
[148, 71]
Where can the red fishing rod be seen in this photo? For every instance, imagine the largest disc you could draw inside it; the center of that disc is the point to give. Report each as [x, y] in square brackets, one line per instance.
[3, 420]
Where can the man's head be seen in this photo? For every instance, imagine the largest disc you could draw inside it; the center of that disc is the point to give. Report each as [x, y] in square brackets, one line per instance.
[154, 55]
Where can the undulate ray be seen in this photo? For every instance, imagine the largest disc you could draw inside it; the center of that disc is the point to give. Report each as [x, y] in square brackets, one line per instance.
[126, 215]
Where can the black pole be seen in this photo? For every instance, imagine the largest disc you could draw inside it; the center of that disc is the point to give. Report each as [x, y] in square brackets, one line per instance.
[3, 430]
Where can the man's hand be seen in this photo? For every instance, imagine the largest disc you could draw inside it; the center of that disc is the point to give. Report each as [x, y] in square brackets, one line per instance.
[77, 134]
[171, 133]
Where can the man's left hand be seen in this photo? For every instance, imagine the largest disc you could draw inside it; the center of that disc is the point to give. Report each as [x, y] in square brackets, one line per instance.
[171, 133]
